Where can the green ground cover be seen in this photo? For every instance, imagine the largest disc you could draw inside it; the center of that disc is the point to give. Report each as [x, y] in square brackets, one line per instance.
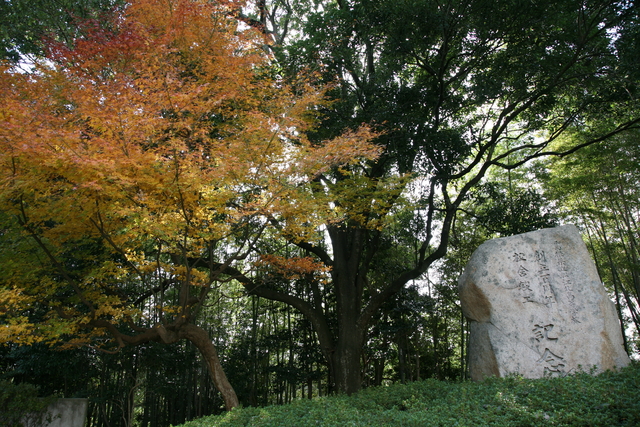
[609, 399]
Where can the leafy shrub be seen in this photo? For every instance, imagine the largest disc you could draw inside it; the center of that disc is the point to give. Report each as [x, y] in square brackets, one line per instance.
[20, 405]
[608, 399]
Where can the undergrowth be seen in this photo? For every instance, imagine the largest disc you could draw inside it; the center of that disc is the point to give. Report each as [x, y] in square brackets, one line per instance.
[608, 399]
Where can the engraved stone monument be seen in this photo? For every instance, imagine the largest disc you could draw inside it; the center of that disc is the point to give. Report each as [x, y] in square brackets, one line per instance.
[536, 307]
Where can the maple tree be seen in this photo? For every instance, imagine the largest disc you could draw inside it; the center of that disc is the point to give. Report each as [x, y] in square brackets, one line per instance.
[139, 165]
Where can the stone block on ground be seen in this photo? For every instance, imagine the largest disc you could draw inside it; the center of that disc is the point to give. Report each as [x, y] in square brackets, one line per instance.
[68, 413]
[537, 307]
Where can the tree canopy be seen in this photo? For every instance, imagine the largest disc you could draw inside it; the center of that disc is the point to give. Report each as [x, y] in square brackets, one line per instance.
[25, 25]
[176, 150]
[455, 89]
[141, 162]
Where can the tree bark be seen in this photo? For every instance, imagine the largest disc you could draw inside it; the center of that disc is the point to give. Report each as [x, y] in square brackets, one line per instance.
[200, 338]
[347, 374]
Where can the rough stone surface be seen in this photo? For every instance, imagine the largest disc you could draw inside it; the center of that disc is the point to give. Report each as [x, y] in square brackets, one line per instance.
[537, 307]
[68, 413]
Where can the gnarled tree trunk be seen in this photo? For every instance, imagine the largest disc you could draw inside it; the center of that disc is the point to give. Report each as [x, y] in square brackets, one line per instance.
[200, 338]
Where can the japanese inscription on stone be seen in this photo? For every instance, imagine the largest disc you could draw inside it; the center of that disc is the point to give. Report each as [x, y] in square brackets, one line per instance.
[535, 282]
[537, 307]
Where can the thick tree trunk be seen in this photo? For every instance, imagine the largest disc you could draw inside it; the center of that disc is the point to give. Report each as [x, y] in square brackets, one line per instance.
[348, 376]
[347, 247]
[347, 355]
[200, 338]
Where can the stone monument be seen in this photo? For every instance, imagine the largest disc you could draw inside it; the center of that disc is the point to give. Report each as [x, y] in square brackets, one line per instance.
[68, 413]
[537, 307]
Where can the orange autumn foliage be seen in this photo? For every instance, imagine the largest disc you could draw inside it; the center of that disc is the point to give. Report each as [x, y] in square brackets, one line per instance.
[292, 268]
[161, 135]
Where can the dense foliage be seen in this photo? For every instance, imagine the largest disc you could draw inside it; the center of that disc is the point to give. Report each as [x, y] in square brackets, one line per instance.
[458, 90]
[143, 162]
[25, 25]
[606, 400]
[189, 197]
[20, 405]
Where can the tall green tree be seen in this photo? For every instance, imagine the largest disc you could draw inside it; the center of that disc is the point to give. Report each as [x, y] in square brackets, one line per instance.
[457, 88]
